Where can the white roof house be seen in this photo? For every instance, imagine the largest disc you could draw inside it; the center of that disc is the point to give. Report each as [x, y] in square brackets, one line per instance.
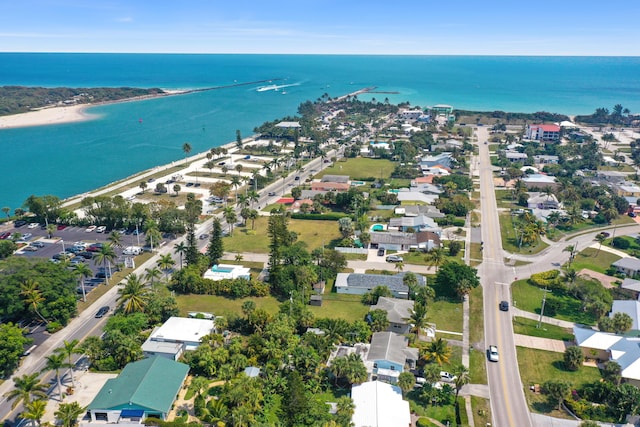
[185, 330]
[378, 404]
[227, 271]
[631, 307]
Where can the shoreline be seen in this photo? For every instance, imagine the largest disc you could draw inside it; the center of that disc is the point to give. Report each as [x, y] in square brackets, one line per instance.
[56, 115]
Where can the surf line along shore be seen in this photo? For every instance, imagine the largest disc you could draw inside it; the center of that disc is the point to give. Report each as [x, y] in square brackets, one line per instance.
[77, 113]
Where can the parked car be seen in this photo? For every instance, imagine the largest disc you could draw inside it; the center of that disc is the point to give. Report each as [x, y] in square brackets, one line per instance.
[90, 229]
[381, 252]
[33, 225]
[5, 235]
[101, 229]
[19, 223]
[297, 178]
[504, 305]
[493, 353]
[103, 310]
[94, 247]
[394, 258]
[85, 254]
[26, 236]
[447, 377]
[37, 244]
[30, 248]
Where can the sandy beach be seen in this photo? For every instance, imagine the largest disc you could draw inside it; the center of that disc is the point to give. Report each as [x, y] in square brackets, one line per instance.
[47, 116]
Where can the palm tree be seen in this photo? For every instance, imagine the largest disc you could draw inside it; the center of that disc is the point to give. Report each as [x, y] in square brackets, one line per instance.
[151, 274]
[55, 362]
[435, 257]
[134, 296]
[68, 413]
[6, 210]
[68, 349]
[105, 256]
[253, 215]
[418, 319]
[235, 182]
[253, 197]
[238, 168]
[115, 239]
[83, 271]
[230, 216]
[25, 388]
[143, 186]
[32, 296]
[399, 266]
[34, 411]
[165, 262]
[51, 228]
[437, 351]
[186, 147]
[462, 378]
[180, 249]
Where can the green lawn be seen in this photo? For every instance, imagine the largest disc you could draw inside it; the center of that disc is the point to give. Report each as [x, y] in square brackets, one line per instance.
[222, 306]
[504, 199]
[419, 258]
[347, 307]
[537, 367]
[529, 327]
[313, 233]
[529, 298]
[477, 363]
[481, 411]
[446, 315]
[594, 260]
[509, 240]
[361, 167]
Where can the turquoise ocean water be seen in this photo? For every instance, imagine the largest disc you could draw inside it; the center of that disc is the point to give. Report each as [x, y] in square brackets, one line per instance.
[74, 158]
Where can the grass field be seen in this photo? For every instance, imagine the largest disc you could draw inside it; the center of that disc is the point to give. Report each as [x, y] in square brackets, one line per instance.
[529, 298]
[594, 260]
[313, 233]
[529, 327]
[504, 199]
[510, 241]
[361, 167]
[347, 307]
[481, 411]
[537, 367]
[446, 315]
[477, 363]
[222, 306]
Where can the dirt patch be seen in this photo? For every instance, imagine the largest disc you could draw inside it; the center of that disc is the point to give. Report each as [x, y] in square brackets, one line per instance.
[607, 281]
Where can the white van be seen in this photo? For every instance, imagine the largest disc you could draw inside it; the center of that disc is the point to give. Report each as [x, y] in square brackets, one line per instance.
[132, 250]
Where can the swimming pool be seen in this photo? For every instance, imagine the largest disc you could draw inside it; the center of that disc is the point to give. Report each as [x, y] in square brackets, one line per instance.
[378, 227]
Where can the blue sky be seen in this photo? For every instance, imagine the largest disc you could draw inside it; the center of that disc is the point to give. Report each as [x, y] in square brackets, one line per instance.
[429, 27]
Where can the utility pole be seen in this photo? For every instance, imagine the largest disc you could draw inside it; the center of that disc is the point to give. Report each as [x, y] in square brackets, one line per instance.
[544, 300]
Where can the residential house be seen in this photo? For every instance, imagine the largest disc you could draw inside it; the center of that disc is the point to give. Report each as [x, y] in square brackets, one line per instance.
[414, 224]
[428, 179]
[398, 312]
[410, 114]
[631, 308]
[437, 170]
[540, 181]
[407, 195]
[442, 159]
[227, 271]
[360, 284]
[176, 335]
[627, 189]
[415, 210]
[427, 188]
[515, 156]
[612, 176]
[325, 185]
[390, 353]
[606, 346]
[543, 132]
[146, 388]
[441, 109]
[631, 285]
[377, 404]
[423, 240]
[376, 147]
[542, 201]
[297, 205]
[628, 266]
[449, 144]
[543, 159]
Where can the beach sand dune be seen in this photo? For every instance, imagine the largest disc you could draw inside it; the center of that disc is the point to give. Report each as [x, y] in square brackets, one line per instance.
[47, 116]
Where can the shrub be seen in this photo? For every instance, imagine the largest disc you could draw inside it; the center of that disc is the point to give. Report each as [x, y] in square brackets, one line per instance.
[53, 327]
[620, 243]
[334, 216]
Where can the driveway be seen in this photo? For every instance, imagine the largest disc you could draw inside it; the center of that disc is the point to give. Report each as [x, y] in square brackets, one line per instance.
[538, 343]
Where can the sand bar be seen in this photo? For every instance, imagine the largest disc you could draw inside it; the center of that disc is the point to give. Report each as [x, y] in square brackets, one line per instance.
[47, 116]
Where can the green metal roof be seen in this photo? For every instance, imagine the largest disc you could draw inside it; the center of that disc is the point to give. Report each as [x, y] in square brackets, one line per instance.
[150, 384]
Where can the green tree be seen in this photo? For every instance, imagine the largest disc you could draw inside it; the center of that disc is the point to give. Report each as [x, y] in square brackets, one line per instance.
[115, 239]
[105, 256]
[151, 275]
[451, 274]
[437, 351]
[180, 249]
[55, 362]
[176, 188]
[133, 296]
[25, 389]
[462, 377]
[215, 250]
[612, 372]
[238, 139]
[230, 217]
[32, 297]
[68, 349]
[344, 411]
[417, 319]
[165, 263]
[435, 257]
[6, 210]
[68, 413]
[83, 271]
[406, 382]
[573, 358]
[622, 322]
[600, 238]
[143, 186]
[34, 411]
[378, 320]
[557, 391]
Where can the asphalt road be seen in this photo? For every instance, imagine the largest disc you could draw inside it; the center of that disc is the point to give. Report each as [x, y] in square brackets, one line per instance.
[508, 404]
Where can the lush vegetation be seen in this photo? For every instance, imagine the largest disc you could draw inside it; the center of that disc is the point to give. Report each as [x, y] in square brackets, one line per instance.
[20, 99]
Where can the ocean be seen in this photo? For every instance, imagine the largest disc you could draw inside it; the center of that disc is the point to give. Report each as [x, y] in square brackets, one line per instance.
[126, 138]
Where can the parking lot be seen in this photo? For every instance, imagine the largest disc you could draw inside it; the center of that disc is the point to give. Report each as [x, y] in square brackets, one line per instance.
[39, 245]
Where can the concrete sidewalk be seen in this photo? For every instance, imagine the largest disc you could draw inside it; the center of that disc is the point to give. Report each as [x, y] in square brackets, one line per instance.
[538, 343]
[550, 320]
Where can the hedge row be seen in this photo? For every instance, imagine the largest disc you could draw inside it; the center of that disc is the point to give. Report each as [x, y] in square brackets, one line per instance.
[321, 217]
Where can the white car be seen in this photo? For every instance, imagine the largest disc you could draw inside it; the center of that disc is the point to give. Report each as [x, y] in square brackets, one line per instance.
[33, 225]
[493, 353]
[101, 229]
[447, 377]
[90, 229]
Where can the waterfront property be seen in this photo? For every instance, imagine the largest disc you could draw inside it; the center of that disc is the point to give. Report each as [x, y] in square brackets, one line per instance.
[147, 388]
[543, 132]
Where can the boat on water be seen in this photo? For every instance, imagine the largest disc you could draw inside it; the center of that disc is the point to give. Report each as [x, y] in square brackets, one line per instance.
[266, 88]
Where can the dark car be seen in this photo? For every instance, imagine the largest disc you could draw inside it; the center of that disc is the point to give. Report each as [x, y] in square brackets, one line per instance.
[381, 252]
[85, 254]
[61, 227]
[204, 236]
[271, 193]
[94, 247]
[19, 223]
[504, 305]
[5, 235]
[103, 310]
[631, 214]
[297, 178]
